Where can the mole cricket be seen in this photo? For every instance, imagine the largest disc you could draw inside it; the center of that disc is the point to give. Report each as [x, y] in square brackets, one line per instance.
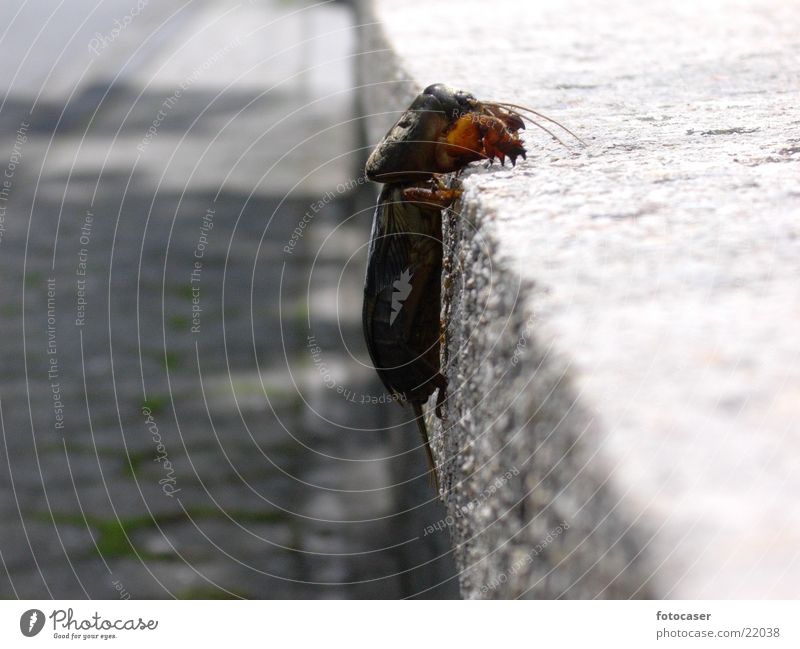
[440, 133]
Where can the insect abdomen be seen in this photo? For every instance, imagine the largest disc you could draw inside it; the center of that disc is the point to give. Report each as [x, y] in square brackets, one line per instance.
[402, 295]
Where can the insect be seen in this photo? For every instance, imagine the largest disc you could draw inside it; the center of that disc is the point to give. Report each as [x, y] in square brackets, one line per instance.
[440, 133]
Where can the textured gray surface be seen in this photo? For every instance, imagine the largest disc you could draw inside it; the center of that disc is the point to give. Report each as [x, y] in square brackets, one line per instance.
[286, 490]
[622, 316]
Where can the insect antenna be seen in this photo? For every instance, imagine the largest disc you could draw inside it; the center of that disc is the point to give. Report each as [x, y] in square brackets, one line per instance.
[534, 122]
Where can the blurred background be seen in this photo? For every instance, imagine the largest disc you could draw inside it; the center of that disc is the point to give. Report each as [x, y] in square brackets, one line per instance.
[187, 408]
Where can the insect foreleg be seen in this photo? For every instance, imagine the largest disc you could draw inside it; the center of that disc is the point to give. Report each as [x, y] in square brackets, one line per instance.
[439, 196]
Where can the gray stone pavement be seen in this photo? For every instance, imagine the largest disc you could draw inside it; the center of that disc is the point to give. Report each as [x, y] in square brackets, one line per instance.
[169, 429]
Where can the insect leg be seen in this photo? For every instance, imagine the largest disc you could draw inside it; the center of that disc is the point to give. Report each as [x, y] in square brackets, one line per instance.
[420, 418]
[439, 197]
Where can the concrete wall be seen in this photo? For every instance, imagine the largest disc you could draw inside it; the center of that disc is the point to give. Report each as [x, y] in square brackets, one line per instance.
[621, 339]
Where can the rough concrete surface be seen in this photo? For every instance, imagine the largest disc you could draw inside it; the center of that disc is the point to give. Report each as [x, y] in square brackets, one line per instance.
[622, 316]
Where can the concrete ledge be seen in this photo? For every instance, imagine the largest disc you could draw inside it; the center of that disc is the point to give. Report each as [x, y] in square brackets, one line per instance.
[621, 342]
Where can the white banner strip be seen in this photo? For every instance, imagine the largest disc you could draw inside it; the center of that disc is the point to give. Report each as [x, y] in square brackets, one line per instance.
[400, 624]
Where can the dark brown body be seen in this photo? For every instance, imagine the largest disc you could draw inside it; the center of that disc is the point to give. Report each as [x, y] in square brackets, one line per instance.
[402, 297]
[441, 132]
[402, 294]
